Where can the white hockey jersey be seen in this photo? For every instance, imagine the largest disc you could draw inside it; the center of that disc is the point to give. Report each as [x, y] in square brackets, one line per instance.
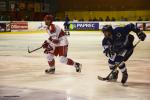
[57, 34]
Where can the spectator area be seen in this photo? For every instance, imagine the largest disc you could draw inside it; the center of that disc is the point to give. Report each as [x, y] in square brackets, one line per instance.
[118, 15]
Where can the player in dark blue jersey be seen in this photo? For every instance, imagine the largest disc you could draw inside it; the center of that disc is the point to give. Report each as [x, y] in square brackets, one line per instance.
[66, 25]
[118, 47]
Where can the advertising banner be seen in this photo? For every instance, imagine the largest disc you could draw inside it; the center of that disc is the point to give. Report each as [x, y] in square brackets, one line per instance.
[33, 26]
[8, 27]
[5, 27]
[147, 26]
[40, 25]
[2, 27]
[19, 26]
[140, 26]
[84, 26]
[74, 26]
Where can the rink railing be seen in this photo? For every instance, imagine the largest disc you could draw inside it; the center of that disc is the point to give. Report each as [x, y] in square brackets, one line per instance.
[74, 26]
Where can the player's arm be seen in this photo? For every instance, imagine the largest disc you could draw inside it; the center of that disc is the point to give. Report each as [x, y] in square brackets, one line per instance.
[131, 27]
[53, 38]
[62, 36]
[107, 48]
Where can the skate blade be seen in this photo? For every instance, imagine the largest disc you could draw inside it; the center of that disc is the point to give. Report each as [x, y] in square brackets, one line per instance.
[80, 67]
[124, 84]
[101, 78]
[47, 72]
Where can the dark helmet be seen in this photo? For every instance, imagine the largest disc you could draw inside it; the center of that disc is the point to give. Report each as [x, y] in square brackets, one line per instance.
[107, 28]
[48, 18]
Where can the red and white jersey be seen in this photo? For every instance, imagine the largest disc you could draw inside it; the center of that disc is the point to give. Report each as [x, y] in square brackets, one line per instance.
[56, 33]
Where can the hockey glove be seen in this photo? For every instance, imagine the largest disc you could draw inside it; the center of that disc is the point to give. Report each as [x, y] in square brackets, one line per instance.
[48, 49]
[45, 44]
[108, 52]
[142, 36]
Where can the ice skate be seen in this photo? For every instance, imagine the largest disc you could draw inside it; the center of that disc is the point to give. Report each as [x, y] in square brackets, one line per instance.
[50, 71]
[124, 77]
[78, 67]
[68, 33]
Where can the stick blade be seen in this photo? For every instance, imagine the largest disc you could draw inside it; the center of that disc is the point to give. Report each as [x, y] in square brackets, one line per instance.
[29, 50]
[101, 78]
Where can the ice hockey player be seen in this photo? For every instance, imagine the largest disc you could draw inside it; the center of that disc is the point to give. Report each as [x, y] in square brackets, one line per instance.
[57, 45]
[118, 47]
[66, 25]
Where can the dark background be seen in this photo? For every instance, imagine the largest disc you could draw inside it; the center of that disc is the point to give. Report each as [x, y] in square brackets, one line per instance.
[35, 10]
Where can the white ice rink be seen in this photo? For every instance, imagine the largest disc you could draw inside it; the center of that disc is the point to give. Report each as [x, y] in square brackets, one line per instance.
[22, 75]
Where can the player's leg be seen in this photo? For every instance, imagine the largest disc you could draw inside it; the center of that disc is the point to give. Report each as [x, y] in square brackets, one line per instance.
[115, 72]
[65, 28]
[68, 29]
[63, 58]
[120, 60]
[51, 63]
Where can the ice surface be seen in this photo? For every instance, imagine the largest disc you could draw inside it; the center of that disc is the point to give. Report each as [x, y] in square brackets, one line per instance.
[23, 73]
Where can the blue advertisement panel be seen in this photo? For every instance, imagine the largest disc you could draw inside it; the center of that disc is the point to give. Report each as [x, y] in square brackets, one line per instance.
[84, 26]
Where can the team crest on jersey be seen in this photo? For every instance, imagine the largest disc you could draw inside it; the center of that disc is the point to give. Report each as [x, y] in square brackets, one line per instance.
[108, 42]
[118, 34]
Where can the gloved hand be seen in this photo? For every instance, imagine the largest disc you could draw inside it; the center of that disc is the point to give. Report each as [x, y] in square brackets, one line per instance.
[45, 44]
[108, 52]
[48, 49]
[142, 36]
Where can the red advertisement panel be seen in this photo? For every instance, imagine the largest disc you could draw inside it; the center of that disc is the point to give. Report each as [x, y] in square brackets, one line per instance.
[19, 25]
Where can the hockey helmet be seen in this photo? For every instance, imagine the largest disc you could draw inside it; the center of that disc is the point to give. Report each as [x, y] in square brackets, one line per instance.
[48, 18]
[107, 28]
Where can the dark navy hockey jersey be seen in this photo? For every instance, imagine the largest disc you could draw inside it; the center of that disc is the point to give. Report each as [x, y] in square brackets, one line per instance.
[119, 39]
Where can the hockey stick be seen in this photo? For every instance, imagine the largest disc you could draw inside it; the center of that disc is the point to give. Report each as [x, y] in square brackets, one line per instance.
[30, 51]
[107, 77]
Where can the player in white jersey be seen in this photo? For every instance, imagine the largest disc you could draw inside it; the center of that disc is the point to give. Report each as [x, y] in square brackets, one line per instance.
[57, 45]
